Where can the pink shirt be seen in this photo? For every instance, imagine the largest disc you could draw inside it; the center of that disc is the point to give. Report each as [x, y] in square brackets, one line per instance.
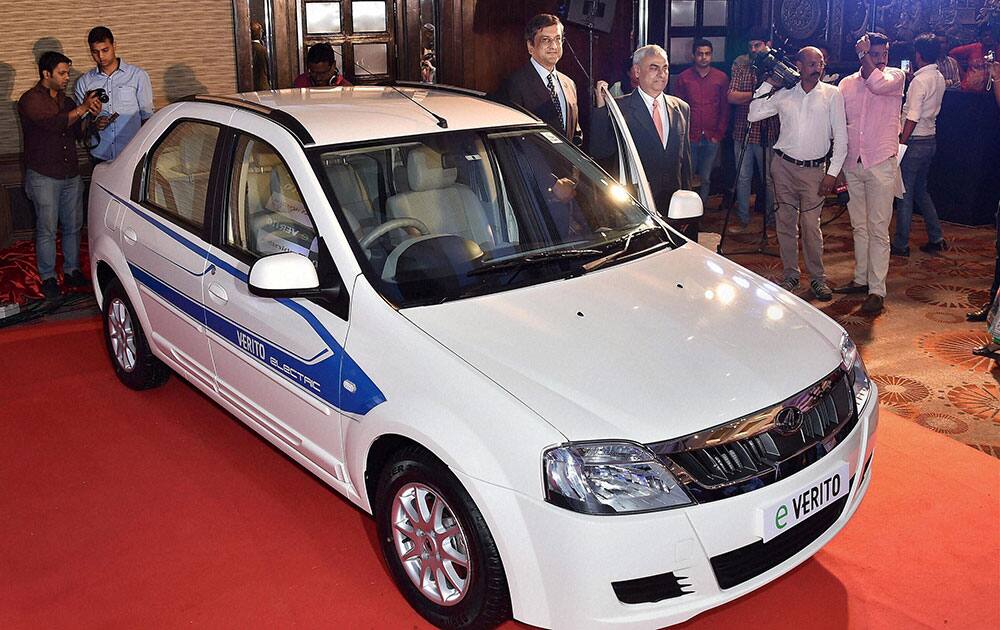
[872, 107]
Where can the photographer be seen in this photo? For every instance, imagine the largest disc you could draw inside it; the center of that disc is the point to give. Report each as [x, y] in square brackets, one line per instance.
[873, 97]
[811, 113]
[51, 123]
[127, 88]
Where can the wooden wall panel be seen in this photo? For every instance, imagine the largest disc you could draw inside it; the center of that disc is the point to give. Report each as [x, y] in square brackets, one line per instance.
[186, 46]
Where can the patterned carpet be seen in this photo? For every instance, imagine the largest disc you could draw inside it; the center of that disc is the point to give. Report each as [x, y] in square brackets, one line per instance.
[918, 348]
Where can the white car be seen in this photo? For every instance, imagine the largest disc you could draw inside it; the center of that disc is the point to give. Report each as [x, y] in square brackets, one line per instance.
[555, 407]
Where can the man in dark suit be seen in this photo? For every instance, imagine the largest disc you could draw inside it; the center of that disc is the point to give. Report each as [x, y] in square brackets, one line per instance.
[658, 124]
[538, 87]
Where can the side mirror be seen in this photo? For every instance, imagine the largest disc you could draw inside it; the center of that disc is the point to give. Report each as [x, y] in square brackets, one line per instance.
[685, 204]
[284, 275]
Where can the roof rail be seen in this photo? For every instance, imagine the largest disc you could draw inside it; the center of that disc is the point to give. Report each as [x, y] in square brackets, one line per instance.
[465, 91]
[441, 87]
[277, 116]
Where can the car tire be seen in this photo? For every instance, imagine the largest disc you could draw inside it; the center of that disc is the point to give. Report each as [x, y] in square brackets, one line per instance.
[450, 597]
[135, 364]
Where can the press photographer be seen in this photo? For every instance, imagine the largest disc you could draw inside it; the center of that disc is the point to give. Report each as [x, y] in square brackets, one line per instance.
[811, 113]
[51, 123]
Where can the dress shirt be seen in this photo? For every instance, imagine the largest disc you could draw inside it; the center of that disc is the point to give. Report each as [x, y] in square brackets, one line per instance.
[764, 132]
[648, 100]
[808, 121]
[49, 139]
[707, 97]
[923, 100]
[542, 72]
[872, 107]
[130, 96]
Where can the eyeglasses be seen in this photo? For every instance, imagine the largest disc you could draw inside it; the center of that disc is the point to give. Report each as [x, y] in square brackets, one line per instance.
[547, 41]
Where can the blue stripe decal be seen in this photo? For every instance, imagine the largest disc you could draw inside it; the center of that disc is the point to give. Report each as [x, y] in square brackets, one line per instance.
[318, 379]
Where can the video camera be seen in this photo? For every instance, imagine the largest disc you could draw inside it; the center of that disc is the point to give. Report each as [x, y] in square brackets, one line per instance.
[778, 64]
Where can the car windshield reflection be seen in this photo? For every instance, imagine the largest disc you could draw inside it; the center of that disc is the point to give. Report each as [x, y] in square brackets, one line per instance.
[454, 215]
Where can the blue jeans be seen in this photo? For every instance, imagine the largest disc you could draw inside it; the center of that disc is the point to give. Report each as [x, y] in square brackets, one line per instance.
[58, 202]
[754, 159]
[702, 160]
[914, 168]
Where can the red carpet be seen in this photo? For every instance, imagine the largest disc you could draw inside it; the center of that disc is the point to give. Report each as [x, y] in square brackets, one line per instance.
[121, 509]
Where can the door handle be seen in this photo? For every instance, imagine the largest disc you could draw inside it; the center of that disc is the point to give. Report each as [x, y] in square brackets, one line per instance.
[218, 293]
[130, 235]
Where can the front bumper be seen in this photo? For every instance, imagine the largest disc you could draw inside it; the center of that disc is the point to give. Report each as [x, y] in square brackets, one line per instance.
[561, 565]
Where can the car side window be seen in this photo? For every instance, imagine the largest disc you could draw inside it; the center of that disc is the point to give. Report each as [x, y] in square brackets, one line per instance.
[179, 172]
[266, 212]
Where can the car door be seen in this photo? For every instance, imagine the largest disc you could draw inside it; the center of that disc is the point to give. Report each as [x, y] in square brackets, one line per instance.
[277, 360]
[162, 237]
[630, 171]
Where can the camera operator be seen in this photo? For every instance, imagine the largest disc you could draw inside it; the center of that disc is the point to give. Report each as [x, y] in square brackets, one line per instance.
[129, 93]
[762, 134]
[811, 113]
[51, 123]
[873, 97]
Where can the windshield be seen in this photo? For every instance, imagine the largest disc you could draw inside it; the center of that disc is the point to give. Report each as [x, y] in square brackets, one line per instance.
[459, 214]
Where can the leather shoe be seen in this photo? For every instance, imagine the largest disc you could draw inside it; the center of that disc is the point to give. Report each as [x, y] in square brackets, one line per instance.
[873, 304]
[851, 287]
[986, 351]
[899, 251]
[933, 248]
[978, 315]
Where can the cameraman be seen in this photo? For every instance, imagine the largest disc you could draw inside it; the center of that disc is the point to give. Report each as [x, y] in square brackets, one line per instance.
[128, 89]
[51, 123]
[811, 113]
[762, 134]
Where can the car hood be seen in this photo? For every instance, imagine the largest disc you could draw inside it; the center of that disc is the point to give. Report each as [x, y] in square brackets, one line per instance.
[655, 348]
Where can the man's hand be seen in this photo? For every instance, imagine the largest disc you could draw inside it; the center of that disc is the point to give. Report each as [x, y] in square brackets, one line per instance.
[862, 46]
[826, 186]
[103, 122]
[564, 189]
[775, 81]
[92, 104]
[599, 88]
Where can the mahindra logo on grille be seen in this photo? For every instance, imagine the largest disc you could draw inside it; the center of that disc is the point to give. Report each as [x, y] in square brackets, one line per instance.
[788, 420]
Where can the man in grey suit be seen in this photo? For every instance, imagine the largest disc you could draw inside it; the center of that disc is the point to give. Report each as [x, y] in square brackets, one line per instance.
[657, 122]
[537, 86]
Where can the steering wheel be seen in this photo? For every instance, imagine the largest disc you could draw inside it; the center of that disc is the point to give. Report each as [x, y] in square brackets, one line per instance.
[393, 224]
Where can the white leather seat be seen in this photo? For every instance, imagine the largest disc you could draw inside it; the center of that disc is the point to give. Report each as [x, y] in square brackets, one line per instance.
[352, 197]
[435, 198]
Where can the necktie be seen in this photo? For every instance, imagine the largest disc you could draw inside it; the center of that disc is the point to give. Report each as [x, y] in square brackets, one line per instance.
[555, 100]
[657, 120]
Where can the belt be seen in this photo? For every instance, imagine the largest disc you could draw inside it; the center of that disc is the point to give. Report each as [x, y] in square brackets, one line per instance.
[810, 163]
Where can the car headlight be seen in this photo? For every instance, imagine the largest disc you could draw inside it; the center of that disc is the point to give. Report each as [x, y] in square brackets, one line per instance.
[609, 478]
[856, 374]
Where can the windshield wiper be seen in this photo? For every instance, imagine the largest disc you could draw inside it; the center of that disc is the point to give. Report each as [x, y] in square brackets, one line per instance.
[533, 259]
[605, 260]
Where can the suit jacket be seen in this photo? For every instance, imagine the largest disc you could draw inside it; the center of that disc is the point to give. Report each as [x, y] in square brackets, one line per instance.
[526, 89]
[667, 169]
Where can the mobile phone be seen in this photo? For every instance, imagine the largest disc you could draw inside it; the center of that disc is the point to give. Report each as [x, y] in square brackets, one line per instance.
[112, 118]
[904, 65]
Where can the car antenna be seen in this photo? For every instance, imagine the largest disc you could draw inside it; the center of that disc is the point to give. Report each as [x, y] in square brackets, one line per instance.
[441, 121]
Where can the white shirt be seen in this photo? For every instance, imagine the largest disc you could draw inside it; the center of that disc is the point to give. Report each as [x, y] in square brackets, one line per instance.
[646, 98]
[544, 73]
[923, 100]
[808, 121]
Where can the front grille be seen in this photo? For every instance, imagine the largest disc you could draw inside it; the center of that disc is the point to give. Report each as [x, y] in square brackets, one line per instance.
[650, 589]
[751, 453]
[739, 565]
